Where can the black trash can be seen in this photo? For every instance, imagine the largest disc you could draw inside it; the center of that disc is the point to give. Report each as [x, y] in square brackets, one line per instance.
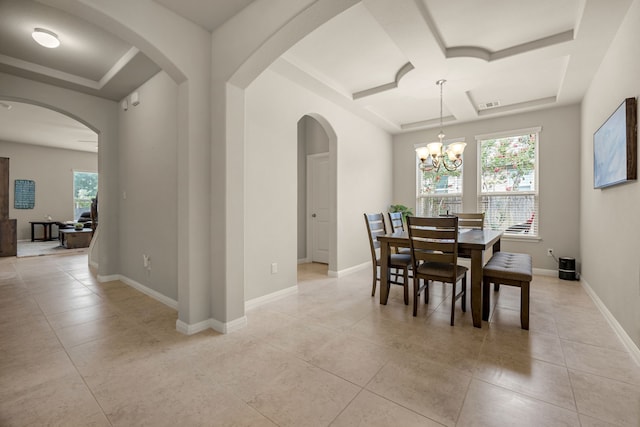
[567, 268]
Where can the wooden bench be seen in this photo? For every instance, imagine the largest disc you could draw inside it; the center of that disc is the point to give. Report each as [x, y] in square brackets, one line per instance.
[506, 268]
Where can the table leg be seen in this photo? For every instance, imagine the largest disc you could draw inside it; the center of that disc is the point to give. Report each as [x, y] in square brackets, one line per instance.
[384, 272]
[476, 287]
[33, 239]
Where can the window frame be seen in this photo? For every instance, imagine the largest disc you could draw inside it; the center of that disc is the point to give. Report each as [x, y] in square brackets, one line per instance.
[458, 197]
[534, 232]
[76, 210]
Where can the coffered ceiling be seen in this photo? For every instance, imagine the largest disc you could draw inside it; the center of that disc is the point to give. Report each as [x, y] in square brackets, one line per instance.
[379, 59]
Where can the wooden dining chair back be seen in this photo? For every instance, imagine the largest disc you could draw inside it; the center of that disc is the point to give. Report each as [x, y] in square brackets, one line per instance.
[398, 262]
[434, 257]
[397, 225]
[395, 219]
[473, 221]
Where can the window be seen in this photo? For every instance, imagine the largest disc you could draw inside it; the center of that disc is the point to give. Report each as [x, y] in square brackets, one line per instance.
[508, 193]
[85, 187]
[438, 193]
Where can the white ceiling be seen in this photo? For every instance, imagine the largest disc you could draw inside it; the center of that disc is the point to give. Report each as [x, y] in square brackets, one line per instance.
[380, 59]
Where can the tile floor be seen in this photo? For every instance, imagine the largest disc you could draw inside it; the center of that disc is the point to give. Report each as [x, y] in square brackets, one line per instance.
[74, 352]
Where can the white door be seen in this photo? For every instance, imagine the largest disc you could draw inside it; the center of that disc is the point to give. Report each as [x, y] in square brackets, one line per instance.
[318, 207]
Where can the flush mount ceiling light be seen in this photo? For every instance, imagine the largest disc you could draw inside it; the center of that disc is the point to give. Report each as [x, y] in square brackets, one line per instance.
[45, 38]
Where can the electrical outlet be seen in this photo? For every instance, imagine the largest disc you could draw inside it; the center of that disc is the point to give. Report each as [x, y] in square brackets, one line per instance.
[274, 267]
[549, 252]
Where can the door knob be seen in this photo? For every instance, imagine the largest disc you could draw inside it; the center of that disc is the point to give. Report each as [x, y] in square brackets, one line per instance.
[313, 215]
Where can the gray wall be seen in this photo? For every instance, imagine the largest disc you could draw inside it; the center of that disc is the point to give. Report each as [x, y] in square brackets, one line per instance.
[559, 176]
[609, 217]
[52, 170]
[147, 170]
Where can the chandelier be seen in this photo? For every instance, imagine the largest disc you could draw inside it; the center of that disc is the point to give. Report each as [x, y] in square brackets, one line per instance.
[436, 155]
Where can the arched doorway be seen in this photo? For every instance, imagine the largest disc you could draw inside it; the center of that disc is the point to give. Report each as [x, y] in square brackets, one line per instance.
[55, 152]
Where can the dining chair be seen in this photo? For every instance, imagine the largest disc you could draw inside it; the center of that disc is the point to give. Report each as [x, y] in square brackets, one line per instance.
[470, 221]
[434, 256]
[377, 227]
[397, 224]
[395, 219]
[473, 221]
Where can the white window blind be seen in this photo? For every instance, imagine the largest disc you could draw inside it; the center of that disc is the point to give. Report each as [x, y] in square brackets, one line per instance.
[508, 181]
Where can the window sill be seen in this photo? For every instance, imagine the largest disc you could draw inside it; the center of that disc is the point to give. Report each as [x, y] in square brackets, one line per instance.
[522, 238]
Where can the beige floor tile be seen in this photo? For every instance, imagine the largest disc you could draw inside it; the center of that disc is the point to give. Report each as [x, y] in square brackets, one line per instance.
[503, 342]
[489, 405]
[613, 364]
[351, 358]
[64, 401]
[60, 305]
[80, 316]
[370, 410]
[534, 378]
[72, 336]
[428, 388]
[587, 327]
[608, 400]
[299, 339]
[329, 354]
[586, 421]
[303, 395]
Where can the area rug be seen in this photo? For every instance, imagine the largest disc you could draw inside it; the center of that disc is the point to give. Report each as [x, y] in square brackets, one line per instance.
[28, 249]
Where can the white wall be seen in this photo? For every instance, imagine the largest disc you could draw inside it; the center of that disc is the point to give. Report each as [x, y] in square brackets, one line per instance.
[52, 170]
[559, 176]
[362, 156]
[609, 217]
[147, 173]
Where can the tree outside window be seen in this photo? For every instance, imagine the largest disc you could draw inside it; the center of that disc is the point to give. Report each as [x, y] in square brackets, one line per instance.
[85, 188]
[439, 192]
[508, 189]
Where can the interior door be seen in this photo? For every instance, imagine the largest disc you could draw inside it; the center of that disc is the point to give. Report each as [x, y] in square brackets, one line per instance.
[318, 207]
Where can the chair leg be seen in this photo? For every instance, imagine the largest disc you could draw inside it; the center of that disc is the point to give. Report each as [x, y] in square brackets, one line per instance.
[405, 282]
[426, 292]
[486, 299]
[464, 293]
[375, 280]
[416, 286]
[453, 303]
[524, 306]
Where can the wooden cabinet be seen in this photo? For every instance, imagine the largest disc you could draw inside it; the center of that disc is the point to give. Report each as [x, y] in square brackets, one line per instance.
[8, 237]
[8, 227]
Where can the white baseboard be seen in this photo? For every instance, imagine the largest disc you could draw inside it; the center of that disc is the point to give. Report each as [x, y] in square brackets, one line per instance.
[304, 261]
[346, 271]
[545, 272]
[257, 302]
[633, 349]
[142, 288]
[222, 327]
[110, 278]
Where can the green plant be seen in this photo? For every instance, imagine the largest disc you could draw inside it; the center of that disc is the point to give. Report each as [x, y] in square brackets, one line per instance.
[406, 211]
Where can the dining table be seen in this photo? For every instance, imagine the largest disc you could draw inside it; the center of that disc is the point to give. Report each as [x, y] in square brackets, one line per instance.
[472, 243]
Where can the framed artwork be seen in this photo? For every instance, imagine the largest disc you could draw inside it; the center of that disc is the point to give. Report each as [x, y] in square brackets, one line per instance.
[615, 147]
[25, 194]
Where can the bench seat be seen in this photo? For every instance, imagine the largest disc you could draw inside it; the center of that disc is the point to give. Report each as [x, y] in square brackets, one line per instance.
[507, 268]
